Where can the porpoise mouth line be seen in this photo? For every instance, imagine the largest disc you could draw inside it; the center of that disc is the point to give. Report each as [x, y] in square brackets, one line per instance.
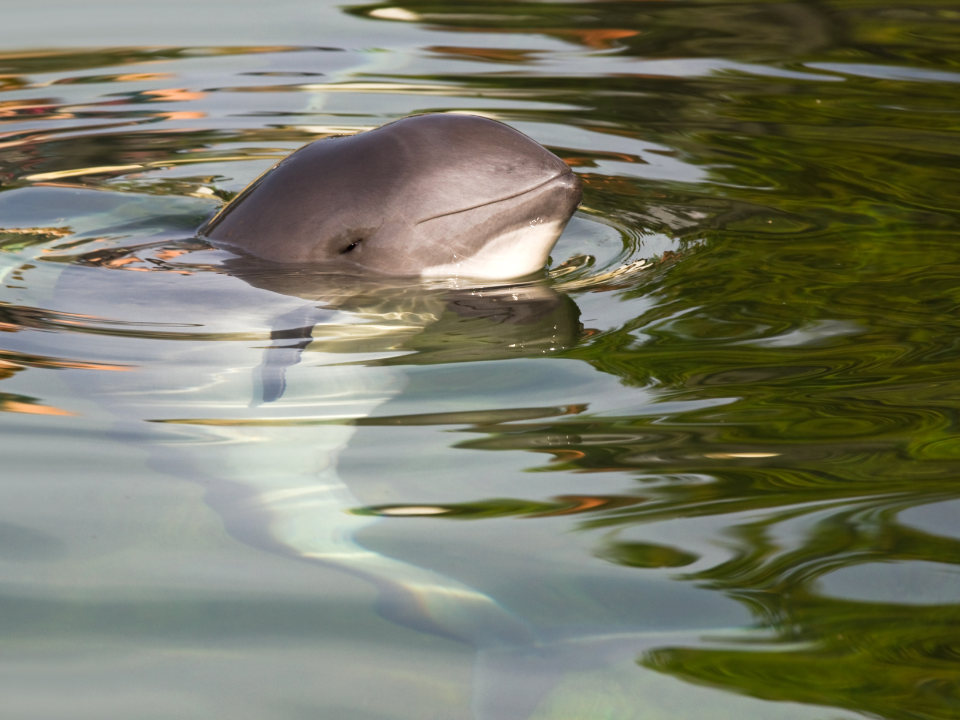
[568, 171]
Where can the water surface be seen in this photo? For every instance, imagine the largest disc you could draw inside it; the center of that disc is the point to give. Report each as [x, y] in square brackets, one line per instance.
[715, 470]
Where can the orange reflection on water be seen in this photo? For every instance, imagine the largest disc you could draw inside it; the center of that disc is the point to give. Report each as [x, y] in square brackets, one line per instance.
[576, 504]
[31, 409]
[606, 183]
[182, 115]
[13, 362]
[171, 254]
[137, 77]
[596, 39]
[174, 94]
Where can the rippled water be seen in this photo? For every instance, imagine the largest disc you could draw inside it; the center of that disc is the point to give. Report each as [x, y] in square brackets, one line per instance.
[705, 465]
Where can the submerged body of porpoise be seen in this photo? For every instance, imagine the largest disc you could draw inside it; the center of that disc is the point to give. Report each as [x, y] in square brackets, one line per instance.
[430, 196]
[426, 196]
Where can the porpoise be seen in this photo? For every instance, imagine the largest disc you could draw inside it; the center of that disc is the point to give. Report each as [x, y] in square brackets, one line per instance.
[427, 195]
[438, 195]
[262, 427]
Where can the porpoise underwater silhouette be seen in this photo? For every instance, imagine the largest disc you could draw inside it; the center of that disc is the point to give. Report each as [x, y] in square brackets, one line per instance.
[331, 245]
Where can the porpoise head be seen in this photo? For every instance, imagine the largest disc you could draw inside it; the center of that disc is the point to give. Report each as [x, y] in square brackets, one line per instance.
[428, 195]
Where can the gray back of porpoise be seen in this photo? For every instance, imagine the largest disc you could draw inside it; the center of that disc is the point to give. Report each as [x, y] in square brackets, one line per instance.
[429, 195]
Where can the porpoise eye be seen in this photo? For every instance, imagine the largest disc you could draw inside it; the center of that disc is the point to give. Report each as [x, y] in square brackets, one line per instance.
[351, 246]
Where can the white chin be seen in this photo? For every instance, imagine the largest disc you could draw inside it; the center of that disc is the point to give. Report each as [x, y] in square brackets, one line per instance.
[511, 255]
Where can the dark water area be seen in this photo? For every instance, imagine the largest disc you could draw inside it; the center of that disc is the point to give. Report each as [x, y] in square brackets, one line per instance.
[708, 463]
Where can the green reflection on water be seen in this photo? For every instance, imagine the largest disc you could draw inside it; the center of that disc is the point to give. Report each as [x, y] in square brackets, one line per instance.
[818, 321]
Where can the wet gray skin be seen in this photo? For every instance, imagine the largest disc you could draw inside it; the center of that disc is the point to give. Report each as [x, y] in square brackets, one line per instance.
[429, 195]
